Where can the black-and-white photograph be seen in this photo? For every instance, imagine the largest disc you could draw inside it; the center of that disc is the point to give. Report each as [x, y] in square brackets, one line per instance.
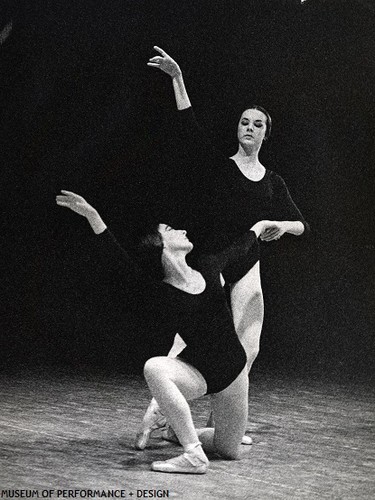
[187, 249]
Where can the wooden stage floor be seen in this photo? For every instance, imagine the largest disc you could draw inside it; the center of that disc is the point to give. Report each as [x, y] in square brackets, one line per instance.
[64, 431]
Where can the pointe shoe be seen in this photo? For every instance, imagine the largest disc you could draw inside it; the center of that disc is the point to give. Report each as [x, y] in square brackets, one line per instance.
[153, 420]
[187, 463]
[246, 440]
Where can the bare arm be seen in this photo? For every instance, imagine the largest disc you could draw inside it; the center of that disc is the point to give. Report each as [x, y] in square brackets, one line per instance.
[165, 63]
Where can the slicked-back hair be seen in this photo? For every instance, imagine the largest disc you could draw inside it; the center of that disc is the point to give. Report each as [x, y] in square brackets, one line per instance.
[149, 250]
[267, 115]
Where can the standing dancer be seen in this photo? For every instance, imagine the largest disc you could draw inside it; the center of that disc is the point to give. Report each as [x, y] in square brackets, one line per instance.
[240, 192]
[192, 302]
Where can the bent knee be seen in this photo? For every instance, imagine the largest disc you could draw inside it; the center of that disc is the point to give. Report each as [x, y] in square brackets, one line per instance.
[229, 454]
[153, 366]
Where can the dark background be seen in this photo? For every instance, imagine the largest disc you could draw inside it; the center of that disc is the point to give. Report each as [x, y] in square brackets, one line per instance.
[80, 110]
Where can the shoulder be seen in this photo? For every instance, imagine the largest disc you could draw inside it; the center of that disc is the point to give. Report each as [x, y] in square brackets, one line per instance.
[273, 176]
[276, 180]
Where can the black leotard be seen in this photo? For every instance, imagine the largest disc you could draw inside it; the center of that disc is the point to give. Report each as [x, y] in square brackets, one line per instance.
[204, 320]
[227, 202]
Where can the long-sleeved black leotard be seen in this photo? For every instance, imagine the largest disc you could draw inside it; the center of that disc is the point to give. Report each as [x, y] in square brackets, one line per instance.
[203, 320]
[228, 203]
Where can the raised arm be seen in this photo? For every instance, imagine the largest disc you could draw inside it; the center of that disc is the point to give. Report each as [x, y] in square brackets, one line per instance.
[79, 205]
[199, 150]
[138, 284]
[111, 252]
[165, 63]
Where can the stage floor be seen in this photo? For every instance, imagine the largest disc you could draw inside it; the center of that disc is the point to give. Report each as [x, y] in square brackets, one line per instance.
[65, 431]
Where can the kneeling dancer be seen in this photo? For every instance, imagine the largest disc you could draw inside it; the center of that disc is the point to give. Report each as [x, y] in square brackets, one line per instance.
[193, 303]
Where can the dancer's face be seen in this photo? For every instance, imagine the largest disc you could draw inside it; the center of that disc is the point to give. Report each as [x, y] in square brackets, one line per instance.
[252, 128]
[174, 239]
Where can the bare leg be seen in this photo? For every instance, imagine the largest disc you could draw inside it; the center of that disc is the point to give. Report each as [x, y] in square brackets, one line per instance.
[248, 312]
[153, 418]
[230, 409]
[171, 382]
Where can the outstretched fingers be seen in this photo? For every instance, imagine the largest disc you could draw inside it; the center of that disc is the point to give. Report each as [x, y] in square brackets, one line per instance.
[63, 203]
[160, 50]
[69, 192]
[69, 199]
[155, 62]
[76, 203]
[70, 196]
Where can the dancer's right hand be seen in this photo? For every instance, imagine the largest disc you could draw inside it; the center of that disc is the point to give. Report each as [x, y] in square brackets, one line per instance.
[165, 63]
[75, 202]
[79, 205]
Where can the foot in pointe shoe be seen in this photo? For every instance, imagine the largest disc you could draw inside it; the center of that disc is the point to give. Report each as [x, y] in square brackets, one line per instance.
[153, 420]
[187, 463]
[246, 440]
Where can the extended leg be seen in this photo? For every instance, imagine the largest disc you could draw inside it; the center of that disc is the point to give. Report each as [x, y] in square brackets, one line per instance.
[248, 312]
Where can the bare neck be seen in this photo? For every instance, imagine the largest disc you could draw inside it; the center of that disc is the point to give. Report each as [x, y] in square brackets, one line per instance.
[176, 269]
[247, 156]
[249, 164]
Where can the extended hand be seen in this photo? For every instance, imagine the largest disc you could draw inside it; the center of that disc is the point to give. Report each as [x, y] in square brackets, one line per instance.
[165, 63]
[75, 203]
[273, 230]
